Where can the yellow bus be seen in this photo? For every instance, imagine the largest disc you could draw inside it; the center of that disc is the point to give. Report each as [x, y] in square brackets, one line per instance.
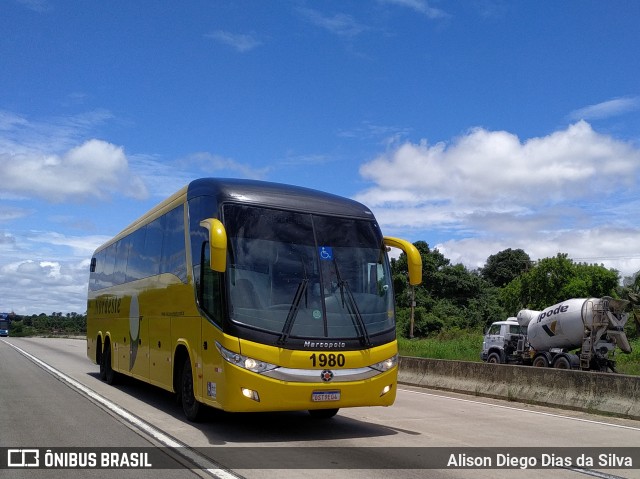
[250, 296]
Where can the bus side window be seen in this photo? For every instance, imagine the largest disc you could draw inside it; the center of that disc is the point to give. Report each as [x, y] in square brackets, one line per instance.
[135, 263]
[109, 264]
[209, 288]
[153, 246]
[122, 255]
[173, 250]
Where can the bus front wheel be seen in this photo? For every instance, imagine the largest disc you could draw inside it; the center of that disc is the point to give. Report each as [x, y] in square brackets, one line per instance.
[190, 405]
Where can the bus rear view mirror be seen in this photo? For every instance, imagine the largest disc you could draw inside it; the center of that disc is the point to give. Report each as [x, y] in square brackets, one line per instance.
[414, 261]
[217, 244]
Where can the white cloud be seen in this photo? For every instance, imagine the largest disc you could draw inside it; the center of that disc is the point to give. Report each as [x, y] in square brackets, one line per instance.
[607, 109]
[339, 24]
[165, 177]
[240, 41]
[488, 190]
[95, 168]
[53, 160]
[61, 285]
[215, 165]
[9, 213]
[610, 246]
[80, 246]
[420, 6]
[495, 171]
[55, 265]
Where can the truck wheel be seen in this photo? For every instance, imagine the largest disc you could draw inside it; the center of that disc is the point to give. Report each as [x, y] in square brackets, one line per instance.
[540, 362]
[494, 358]
[562, 362]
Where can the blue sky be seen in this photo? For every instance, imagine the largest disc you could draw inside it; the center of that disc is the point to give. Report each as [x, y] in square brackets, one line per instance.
[474, 125]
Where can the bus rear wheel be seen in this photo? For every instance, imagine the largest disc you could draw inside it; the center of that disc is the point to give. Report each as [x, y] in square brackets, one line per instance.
[323, 413]
[110, 376]
[103, 366]
[190, 405]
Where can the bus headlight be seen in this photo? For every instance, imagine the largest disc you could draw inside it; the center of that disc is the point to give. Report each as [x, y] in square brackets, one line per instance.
[385, 365]
[245, 362]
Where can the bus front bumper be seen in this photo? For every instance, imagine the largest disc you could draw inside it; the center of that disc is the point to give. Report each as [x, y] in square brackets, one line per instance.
[245, 391]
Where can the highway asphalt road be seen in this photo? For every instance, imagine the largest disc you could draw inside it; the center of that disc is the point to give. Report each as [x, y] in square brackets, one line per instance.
[52, 398]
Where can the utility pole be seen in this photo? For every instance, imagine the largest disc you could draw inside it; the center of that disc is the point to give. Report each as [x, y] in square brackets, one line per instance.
[413, 308]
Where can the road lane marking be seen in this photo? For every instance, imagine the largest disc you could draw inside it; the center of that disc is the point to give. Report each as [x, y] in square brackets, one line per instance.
[591, 472]
[586, 472]
[513, 408]
[204, 463]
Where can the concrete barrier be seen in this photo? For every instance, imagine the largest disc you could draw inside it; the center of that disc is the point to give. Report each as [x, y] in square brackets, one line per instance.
[601, 393]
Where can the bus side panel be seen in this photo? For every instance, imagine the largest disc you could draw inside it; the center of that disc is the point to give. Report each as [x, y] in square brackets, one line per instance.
[160, 350]
[185, 331]
[173, 320]
[139, 343]
[214, 385]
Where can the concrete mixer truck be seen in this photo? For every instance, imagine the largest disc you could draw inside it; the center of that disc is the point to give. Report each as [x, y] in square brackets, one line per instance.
[575, 334]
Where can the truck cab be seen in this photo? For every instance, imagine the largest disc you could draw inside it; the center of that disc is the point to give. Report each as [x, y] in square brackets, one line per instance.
[501, 341]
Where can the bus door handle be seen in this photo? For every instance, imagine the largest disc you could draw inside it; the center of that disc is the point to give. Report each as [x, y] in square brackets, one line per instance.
[205, 345]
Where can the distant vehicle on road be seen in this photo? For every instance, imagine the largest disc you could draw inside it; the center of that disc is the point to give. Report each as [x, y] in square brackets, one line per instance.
[5, 322]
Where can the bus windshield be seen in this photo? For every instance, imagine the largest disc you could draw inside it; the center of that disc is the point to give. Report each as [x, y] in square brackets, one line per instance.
[307, 276]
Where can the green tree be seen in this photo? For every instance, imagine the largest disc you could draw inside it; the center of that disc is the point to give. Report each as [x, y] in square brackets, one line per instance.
[556, 279]
[450, 296]
[503, 267]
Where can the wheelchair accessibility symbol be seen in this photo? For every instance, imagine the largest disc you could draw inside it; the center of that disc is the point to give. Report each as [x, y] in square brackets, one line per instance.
[326, 253]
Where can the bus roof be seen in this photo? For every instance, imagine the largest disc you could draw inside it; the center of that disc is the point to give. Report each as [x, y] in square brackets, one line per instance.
[259, 193]
[267, 194]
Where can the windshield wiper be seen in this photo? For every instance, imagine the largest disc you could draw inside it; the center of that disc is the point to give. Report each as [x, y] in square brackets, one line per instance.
[295, 306]
[352, 306]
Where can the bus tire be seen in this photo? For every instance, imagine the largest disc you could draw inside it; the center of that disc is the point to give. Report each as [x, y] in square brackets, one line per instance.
[110, 376]
[190, 405]
[323, 413]
[103, 369]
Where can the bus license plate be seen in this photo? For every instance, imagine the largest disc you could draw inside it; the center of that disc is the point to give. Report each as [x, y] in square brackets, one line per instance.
[323, 396]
